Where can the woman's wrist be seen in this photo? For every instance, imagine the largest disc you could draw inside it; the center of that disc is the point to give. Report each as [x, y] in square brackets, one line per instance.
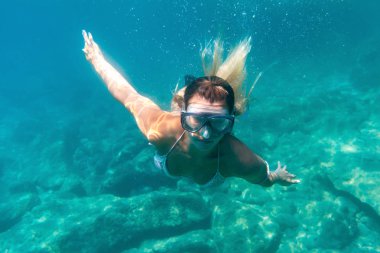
[271, 177]
[97, 61]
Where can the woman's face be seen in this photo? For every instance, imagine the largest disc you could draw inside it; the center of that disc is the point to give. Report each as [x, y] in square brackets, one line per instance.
[206, 138]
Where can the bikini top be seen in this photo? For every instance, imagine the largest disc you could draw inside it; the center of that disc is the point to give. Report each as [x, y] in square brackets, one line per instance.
[161, 160]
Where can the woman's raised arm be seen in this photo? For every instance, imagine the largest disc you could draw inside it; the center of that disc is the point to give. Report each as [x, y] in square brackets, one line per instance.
[146, 113]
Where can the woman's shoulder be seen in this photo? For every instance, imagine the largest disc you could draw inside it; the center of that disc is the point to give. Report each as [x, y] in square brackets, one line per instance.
[166, 132]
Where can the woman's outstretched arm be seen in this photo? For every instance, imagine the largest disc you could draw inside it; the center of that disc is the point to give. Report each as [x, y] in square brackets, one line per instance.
[268, 178]
[146, 113]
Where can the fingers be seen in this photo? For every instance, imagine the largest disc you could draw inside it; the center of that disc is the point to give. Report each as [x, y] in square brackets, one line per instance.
[84, 34]
[279, 166]
[88, 40]
[286, 178]
[289, 182]
[292, 180]
[295, 181]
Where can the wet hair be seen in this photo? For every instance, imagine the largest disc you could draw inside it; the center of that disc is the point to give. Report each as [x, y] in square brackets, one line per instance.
[212, 88]
[232, 70]
[189, 79]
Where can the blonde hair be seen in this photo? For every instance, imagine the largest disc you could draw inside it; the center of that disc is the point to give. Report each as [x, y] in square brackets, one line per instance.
[232, 69]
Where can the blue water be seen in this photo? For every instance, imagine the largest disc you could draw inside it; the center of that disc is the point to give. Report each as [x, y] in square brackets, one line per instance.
[76, 175]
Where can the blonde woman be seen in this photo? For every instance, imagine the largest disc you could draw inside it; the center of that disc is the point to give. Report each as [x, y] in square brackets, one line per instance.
[197, 142]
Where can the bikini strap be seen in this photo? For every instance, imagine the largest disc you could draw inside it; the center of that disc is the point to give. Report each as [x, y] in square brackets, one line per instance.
[175, 143]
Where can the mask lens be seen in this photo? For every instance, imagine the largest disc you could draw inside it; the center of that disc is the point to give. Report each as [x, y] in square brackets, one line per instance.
[194, 122]
[220, 124]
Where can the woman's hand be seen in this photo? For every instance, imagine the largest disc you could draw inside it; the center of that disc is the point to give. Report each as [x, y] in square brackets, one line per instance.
[282, 176]
[91, 49]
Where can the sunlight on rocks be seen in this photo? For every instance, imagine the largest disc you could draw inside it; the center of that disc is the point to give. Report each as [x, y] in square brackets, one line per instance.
[244, 193]
[327, 164]
[372, 129]
[107, 208]
[159, 246]
[217, 210]
[351, 181]
[174, 210]
[301, 234]
[357, 175]
[269, 235]
[349, 148]
[329, 146]
[242, 222]
[328, 216]
[42, 219]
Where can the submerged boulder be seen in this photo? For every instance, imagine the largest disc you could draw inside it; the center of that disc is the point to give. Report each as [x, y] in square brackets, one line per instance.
[130, 175]
[12, 211]
[200, 241]
[247, 228]
[106, 223]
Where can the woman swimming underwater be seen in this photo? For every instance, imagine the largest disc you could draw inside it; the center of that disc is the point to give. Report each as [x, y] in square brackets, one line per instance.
[194, 140]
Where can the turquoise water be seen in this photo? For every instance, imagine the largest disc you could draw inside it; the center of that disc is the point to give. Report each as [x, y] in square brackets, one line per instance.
[76, 175]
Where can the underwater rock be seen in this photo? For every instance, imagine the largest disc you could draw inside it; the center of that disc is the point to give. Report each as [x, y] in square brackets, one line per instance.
[127, 222]
[200, 241]
[124, 169]
[247, 228]
[23, 188]
[72, 187]
[329, 224]
[106, 223]
[337, 231]
[12, 211]
[135, 176]
[364, 207]
[128, 182]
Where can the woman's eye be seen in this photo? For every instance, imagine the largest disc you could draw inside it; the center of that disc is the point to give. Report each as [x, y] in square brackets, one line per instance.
[193, 120]
[219, 123]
